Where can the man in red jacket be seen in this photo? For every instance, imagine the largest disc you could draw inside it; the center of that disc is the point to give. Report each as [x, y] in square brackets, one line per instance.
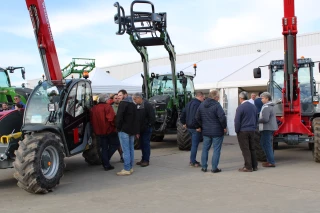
[103, 124]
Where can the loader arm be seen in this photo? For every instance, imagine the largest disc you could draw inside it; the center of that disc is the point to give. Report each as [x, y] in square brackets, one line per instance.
[292, 122]
[151, 24]
[45, 42]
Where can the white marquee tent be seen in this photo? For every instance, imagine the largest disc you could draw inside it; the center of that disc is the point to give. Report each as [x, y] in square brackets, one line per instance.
[233, 73]
[102, 82]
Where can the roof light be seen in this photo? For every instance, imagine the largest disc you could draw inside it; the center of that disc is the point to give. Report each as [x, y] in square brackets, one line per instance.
[85, 74]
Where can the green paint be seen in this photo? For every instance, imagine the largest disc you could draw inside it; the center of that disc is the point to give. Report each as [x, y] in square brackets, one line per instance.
[78, 66]
[7, 92]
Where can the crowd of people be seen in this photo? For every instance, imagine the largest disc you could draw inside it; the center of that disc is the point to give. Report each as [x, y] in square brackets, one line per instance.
[118, 121]
[18, 104]
[205, 117]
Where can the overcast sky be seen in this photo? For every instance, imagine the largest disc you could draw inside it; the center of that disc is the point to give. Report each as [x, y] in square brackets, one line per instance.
[85, 28]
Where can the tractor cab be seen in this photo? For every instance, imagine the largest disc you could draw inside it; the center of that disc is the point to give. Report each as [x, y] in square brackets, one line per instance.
[162, 85]
[63, 109]
[4, 78]
[308, 95]
[7, 91]
[166, 100]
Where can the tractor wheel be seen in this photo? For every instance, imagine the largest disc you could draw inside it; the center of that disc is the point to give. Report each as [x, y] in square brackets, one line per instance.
[136, 144]
[316, 132]
[183, 137]
[93, 155]
[39, 162]
[261, 156]
[157, 138]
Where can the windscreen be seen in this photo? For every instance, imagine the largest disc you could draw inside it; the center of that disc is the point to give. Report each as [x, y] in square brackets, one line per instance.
[3, 79]
[37, 106]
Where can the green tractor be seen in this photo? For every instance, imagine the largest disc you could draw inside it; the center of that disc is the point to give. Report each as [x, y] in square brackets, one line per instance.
[7, 91]
[169, 93]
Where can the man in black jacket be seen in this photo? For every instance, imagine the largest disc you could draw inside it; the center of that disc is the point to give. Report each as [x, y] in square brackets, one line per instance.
[128, 126]
[187, 119]
[146, 115]
[212, 119]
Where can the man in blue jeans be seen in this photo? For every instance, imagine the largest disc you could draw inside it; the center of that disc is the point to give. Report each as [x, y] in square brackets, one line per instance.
[187, 119]
[212, 119]
[128, 127]
[267, 126]
[147, 118]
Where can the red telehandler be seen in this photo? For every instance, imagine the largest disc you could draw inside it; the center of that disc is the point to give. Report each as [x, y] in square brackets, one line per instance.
[56, 119]
[292, 87]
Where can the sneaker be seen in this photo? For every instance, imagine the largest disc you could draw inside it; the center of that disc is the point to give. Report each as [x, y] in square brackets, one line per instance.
[131, 171]
[124, 173]
[216, 170]
[144, 164]
[108, 168]
[255, 169]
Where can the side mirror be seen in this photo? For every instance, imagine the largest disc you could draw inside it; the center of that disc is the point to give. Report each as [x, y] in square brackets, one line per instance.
[23, 72]
[257, 73]
[23, 85]
[184, 82]
[53, 91]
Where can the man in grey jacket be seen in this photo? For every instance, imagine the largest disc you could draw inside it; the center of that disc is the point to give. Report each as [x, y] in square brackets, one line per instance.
[267, 126]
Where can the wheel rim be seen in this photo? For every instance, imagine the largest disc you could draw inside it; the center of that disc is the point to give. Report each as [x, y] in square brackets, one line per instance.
[49, 162]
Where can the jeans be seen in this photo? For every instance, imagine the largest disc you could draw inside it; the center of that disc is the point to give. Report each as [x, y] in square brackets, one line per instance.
[195, 138]
[266, 145]
[207, 142]
[246, 143]
[145, 137]
[109, 144]
[127, 145]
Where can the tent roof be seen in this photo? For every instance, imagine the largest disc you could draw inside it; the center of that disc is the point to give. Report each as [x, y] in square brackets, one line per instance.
[103, 82]
[232, 71]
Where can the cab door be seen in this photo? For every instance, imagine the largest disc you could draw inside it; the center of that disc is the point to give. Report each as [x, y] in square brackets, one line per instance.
[76, 116]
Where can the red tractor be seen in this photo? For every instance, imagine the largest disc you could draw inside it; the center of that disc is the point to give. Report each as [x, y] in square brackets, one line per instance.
[56, 122]
[292, 87]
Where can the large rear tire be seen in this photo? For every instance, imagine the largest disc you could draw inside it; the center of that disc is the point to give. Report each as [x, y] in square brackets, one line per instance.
[183, 137]
[93, 155]
[261, 156]
[39, 162]
[316, 132]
